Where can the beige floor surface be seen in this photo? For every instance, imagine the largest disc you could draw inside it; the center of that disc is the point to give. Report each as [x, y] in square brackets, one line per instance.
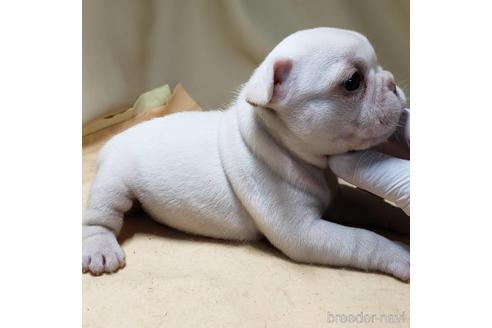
[177, 280]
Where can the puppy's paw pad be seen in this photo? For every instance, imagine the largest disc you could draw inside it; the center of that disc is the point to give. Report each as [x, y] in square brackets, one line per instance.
[101, 253]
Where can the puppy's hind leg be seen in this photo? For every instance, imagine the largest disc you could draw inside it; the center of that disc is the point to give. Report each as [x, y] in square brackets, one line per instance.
[109, 199]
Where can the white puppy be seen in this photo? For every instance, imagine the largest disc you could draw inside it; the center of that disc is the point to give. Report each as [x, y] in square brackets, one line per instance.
[258, 168]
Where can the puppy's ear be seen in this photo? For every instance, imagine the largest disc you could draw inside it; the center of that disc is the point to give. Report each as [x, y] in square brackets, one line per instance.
[268, 82]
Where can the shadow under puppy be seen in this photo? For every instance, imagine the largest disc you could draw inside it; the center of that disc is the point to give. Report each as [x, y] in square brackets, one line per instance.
[259, 167]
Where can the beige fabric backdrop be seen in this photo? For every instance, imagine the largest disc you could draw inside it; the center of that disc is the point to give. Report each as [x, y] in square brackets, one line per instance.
[212, 46]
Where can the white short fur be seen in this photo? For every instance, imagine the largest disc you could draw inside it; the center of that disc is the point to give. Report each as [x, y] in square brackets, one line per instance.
[258, 168]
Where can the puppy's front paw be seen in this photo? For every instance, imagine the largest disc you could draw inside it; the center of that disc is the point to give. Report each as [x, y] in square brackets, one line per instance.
[400, 270]
[398, 262]
[101, 253]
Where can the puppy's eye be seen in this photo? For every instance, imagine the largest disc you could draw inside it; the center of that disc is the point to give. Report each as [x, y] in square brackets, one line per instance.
[353, 83]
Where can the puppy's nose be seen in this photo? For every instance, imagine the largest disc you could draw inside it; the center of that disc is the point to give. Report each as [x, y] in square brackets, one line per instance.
[392, 86]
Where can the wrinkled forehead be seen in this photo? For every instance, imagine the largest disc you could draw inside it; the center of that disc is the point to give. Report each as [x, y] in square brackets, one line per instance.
[352, 44]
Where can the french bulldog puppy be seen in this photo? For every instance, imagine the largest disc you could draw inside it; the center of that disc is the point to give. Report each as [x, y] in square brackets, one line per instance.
[259, 168]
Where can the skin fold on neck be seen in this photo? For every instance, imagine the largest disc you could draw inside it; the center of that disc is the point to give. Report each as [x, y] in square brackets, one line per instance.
[270, 148]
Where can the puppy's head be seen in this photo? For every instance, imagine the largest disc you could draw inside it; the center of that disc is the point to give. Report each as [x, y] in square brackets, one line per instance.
[324, 88]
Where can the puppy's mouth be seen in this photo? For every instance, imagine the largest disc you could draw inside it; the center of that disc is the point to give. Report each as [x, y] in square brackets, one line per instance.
[371, 142]
[387, 127]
